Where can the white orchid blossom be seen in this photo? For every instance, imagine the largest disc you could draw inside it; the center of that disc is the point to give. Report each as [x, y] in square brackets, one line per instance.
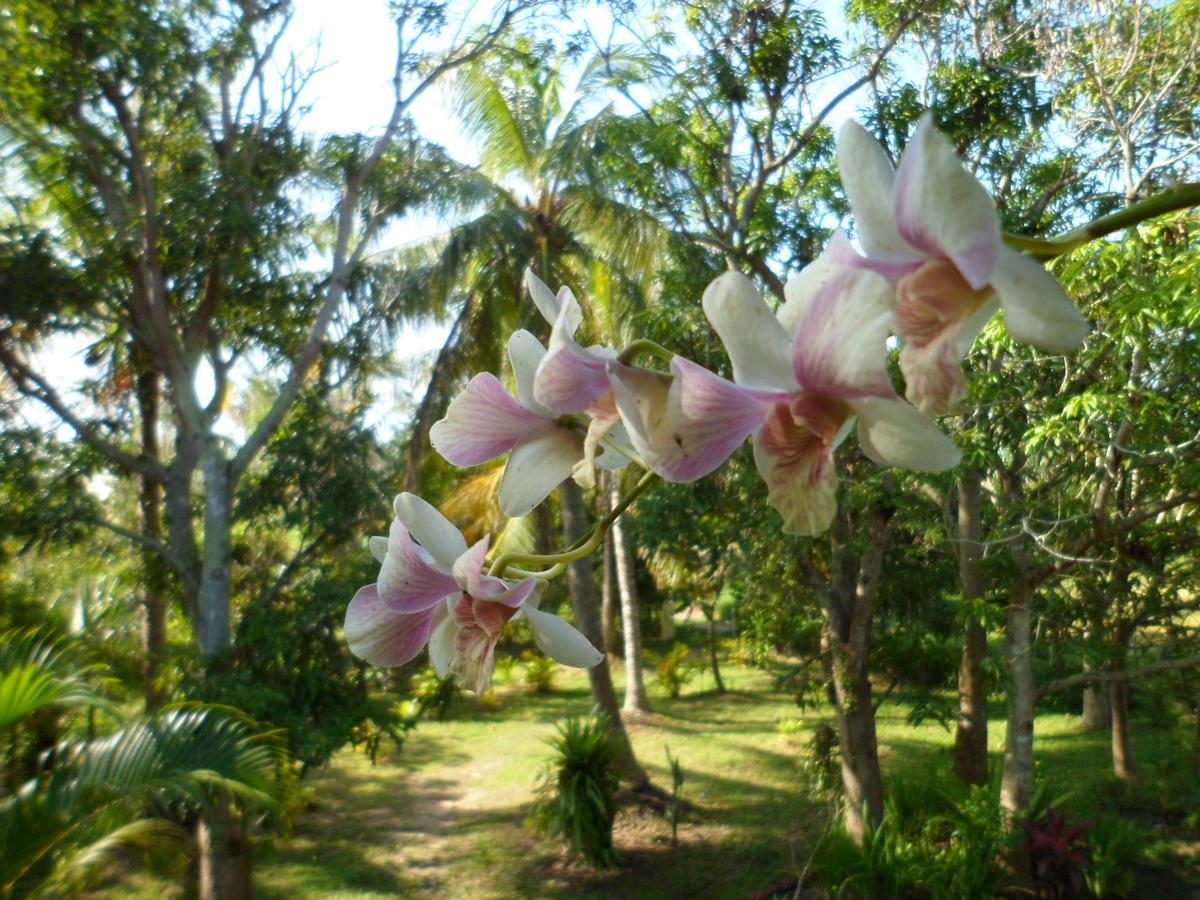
[432, 590]
[931, 228]
[798, 391]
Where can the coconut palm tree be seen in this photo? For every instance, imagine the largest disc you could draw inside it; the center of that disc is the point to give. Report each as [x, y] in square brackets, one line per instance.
[535, 200]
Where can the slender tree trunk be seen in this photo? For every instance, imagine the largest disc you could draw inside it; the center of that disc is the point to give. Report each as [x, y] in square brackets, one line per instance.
[581, 578]
[971, 737]
[608, 611]
[1097, 708]
[1016, 787]
[710, 614]
[154, 583]
[862, 778]
[666, 621]
[636, 700]
[224, 858]
[216, 581]
[1097, 703]
[1122, 750]
[848, 599]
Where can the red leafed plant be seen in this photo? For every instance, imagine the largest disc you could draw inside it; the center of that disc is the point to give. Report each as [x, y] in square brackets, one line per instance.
[1058, 856]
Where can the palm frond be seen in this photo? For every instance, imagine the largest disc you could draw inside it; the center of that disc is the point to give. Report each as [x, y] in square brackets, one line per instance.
[38, 671]
[490, 116]
[188, 756]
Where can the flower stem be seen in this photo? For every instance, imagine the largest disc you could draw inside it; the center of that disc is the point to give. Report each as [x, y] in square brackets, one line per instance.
[1174, 199]
[644, 345]
[579, 549]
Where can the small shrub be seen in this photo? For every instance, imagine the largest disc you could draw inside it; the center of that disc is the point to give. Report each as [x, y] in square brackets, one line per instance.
[1116, 852]
[1059, 857]
[676, 796]
[435, 695]
[539, 671]
[576, 797]
[675, 670]
[789, 726]
[822, 765]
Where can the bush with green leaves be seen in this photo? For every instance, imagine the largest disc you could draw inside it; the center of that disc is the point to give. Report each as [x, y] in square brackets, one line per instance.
[539, 671]
[577, 795]
[674, 669]
[134, 788]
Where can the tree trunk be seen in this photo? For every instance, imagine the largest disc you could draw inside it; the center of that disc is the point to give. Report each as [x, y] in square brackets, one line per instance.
[636, 700]
[710, 614]
[216, 581]
[224, 858]
[862, 779]
[608, 613]
[666, 621]
[848, 600]
[971, 736]
[1122, 750]
[154, 582]
[1016, 787]
[581, 578]
[1097, 704]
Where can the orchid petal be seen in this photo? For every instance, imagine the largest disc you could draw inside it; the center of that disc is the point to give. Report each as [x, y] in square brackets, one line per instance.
[756, 342]
[604, 417]
[683, 429]
[479, 625]
[549, 305]
[942, 210]
[841, 336]
[378, 545]
[535, 468]
[379, 634]
[441, 641]
[526, 353]
[797, 466]
[938, 315]
[894, 433]
[409, 579]
[869, 179]
[570, 378]
[484, 422]
[468, 572]
[559, 640]
[432, 530]
[1037, 310]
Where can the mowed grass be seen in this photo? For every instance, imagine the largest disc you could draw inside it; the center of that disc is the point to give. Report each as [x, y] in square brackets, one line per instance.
[444, 816]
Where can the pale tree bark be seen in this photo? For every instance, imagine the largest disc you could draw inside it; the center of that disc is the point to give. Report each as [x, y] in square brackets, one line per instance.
[608, 592]
[154, 583]
[608, 611]
[971, 736]
[1016, 786]
[581, 580]
[666, 621]
[636, 700]
[848, 594]
[1097, 704]
[224, 859]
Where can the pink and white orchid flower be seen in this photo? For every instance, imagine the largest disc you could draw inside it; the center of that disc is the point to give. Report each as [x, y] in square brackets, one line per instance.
[798, 396]
[931, 228]
[570, 378]
[435, 592]
[485, 421]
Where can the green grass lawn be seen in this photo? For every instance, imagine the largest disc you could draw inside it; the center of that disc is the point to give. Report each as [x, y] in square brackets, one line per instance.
[444, 817]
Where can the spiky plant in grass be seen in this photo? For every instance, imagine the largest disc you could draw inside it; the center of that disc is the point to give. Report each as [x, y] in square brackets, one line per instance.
[577, 794]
